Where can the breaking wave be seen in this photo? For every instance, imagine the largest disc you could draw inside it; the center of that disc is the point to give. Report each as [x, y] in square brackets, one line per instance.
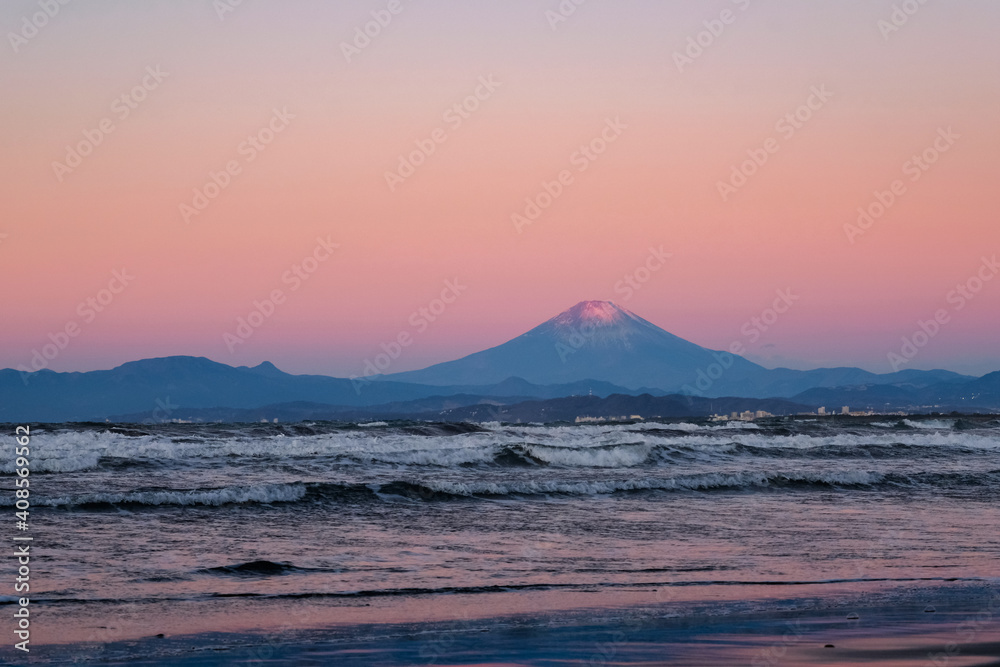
[230, 495]
[588, 446]
[442, 490]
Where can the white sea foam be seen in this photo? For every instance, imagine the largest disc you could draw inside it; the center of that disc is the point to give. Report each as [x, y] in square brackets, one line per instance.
[619, 456]
[930, 423]
[569, 446]
[737, 425]
[919, 423]
[269, 493]
[56, 462]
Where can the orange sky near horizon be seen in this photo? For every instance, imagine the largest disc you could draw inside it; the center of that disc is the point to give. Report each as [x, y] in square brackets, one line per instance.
[309, 136]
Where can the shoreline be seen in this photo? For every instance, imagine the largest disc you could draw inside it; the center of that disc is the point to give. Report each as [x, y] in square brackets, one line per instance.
[893, 627]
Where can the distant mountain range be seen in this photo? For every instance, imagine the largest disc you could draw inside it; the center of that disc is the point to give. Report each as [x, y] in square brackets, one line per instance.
[599, 339]
[976, 395]
[595, 350]
[159, 387]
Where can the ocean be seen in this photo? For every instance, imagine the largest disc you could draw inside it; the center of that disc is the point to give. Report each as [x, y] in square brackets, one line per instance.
[269, 531]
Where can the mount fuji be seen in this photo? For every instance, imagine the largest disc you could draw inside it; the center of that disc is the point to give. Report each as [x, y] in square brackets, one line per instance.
[593, 340]
[600, 340]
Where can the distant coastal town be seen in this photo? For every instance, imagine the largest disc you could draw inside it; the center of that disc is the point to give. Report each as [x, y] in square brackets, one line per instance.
[751, 415]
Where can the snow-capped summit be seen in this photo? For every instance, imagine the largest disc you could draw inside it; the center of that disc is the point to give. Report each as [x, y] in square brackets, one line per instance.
[596, 323]
[594, 313]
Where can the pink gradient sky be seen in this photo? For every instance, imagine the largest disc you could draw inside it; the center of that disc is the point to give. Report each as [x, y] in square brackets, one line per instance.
[655, 186]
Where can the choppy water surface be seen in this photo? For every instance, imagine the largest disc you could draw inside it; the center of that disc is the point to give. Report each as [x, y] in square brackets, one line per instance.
[191, 514]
